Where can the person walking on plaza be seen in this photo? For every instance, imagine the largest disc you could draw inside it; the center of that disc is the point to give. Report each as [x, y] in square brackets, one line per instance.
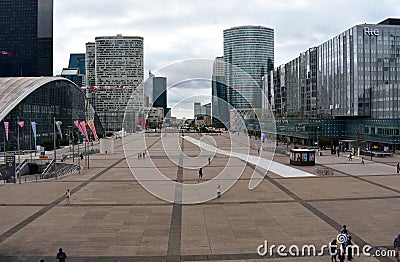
[350, 159]
[334, 250]
[61, 256]
[67, 197]
[396, 245]
[398, 167]
[362, 160]
[200, 173]
[219, 191]
[209, 161]
[349, 249]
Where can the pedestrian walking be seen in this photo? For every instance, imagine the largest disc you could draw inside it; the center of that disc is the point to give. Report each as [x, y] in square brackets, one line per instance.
[396, 245]
[219, 191]
[398, 167]
[350, 159]
[349, 249]
[61, 256]
[362, 160]
[81, 156]
[67, 197]
[200, 173]
[334, 250]
[338, 152]
[209, 161]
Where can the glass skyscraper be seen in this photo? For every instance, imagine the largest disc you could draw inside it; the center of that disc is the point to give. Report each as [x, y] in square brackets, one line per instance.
[251, 49]
[26, 38]
[345, 88]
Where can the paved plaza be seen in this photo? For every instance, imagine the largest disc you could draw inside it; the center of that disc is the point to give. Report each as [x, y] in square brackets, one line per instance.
[113, 218]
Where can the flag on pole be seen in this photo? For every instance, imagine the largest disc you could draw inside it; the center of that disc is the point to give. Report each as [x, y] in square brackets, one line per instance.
[85, 133]
[93, 128]
[76, 123]
[33, 124]
[58, 125]
[6, 129]
[21, 123]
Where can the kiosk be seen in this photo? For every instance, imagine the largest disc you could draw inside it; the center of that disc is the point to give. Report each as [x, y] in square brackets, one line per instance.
[302, 157]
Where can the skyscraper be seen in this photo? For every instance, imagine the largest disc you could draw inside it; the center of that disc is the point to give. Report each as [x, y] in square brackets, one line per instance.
[26, 38]
[220, 110]
[247, 49]
[77, 61]
[114, 65]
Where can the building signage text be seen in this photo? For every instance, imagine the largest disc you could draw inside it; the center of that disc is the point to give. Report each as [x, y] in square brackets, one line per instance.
[371, 31]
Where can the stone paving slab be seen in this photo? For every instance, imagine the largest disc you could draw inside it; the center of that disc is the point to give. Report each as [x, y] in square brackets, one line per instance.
[12, 215]
[112, 218]
[334, 187]
[376, 221]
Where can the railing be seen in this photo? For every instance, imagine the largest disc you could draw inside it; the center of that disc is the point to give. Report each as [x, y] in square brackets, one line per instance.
[46, 171]
[21, 166]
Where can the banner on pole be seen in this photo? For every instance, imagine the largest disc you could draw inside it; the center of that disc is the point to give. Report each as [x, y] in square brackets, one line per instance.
[76, 123]
[6, 124]
[58, 125]
[93, 128]
[85, 133]
[33, 124]
[21, 123]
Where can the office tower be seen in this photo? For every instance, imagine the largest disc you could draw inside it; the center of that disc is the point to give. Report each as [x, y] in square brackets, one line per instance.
[155, 92]
[90, 61]
[77, 61]
[345, 89]
[115, 64]
[248, 49]
[197, 109]
[220, 109]
[26, 38]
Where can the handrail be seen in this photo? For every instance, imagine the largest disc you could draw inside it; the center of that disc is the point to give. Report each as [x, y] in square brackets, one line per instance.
[46, 170]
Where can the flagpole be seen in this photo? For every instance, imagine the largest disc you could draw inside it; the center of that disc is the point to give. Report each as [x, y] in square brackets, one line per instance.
[4, 145]
[55, 148]
[30, 139]
[19, 159]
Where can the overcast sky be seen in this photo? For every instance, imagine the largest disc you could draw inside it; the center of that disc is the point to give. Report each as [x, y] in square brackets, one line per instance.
[180, 30]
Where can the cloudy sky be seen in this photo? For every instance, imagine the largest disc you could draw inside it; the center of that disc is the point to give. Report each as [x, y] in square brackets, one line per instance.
[177, 30]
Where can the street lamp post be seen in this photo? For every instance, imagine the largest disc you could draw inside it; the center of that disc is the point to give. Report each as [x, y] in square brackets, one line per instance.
[55, 146]
[19, 157]
[318, 137]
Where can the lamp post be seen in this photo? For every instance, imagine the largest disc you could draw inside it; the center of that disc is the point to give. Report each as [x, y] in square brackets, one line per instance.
[318, 137]
[19, 159]
[55, 146]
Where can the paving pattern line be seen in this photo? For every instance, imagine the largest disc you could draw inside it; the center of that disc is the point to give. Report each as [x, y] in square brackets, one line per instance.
[56, 202]
[330, 221]
[175, 231]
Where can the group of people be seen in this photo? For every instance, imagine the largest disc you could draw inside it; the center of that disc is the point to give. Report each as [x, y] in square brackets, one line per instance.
[342, 246]
[141, 155]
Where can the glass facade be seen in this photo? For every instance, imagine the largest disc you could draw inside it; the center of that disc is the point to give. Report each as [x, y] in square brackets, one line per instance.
[26, 38]
[354, 79]
[220, 110]
[59, 99]
[251, 49]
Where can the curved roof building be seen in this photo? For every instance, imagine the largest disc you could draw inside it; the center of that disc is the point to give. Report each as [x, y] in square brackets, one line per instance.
[41, 100]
